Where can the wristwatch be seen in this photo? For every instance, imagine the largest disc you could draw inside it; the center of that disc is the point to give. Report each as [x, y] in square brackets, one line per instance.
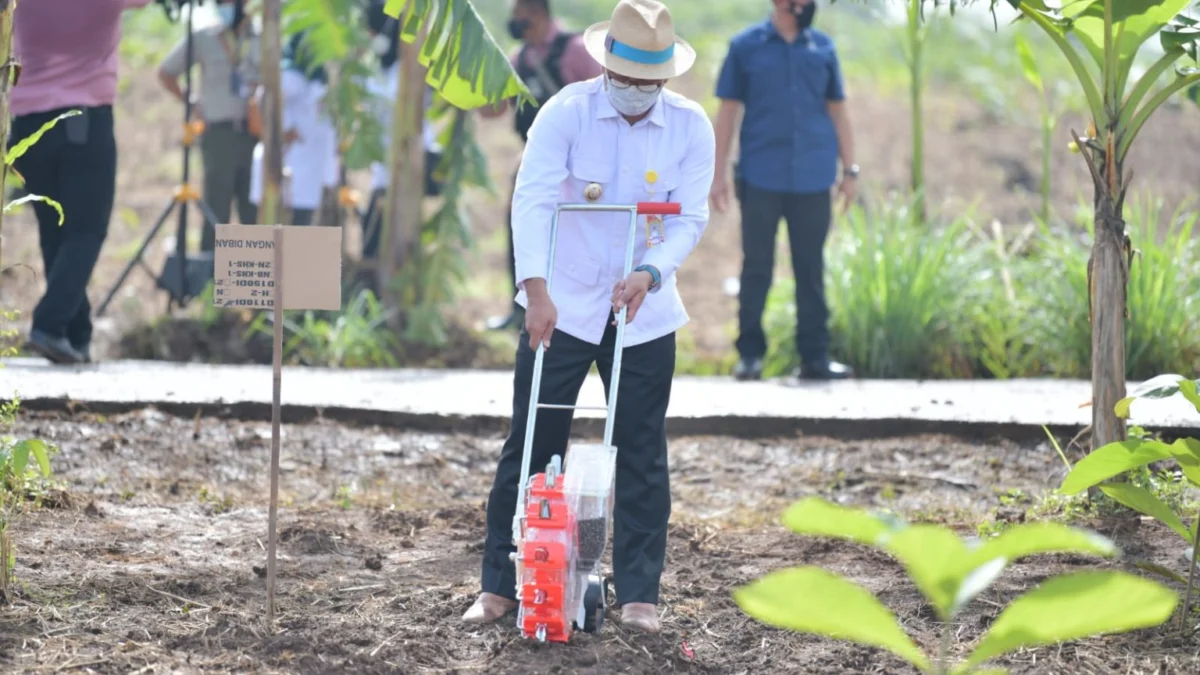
[851, 171]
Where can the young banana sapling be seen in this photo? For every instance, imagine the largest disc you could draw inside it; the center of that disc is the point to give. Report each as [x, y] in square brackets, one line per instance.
[949, 572]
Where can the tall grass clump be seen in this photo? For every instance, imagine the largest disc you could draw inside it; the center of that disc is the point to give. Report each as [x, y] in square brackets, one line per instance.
[901, 295]
[998, 306]
[1162, 333]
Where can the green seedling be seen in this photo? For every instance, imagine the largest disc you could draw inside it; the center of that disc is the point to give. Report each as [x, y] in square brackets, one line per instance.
[949, 572]
[23, 464]
[1114, 459]
[19, 479]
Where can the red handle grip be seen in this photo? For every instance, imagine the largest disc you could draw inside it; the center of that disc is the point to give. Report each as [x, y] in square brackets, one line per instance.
[659, 208]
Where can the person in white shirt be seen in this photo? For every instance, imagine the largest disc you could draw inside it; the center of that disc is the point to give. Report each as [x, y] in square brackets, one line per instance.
[310, 139]
[637, 141]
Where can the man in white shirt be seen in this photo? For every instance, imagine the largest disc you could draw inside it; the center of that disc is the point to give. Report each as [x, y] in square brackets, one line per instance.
[620, 138]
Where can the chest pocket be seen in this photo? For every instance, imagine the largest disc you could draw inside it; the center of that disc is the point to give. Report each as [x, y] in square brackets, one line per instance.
[585, 170]
[779, 74]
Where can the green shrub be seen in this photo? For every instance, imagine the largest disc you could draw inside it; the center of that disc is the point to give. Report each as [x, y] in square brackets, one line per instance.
[357, 337]
[915, 300]
[902, 296]
[1162, 333]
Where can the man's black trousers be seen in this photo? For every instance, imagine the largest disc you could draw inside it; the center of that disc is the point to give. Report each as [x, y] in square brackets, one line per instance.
[75, 164]
[643, 493]
[808, 216]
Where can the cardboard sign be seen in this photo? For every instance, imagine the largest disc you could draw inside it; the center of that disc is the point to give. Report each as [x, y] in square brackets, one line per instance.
[243, 262]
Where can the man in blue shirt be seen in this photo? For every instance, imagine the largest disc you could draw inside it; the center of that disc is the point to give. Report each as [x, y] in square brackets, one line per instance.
[784, 75]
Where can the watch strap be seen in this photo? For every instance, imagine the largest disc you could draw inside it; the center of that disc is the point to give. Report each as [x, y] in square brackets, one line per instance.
[655, 275]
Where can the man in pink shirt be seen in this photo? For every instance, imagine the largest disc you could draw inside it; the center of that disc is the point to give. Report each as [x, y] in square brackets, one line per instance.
[549, 60]
[68, 53]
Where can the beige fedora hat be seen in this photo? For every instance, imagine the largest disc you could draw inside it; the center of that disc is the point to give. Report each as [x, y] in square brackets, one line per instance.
[639, 42]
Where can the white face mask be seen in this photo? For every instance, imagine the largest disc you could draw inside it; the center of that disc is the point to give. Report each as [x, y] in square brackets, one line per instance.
[629, 100]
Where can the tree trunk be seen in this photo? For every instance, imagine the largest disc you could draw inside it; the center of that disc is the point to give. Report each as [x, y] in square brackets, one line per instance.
[7, 73]
[271, 211]
[7, 7]
[916, 44]
[1108, 275]
[406, 188]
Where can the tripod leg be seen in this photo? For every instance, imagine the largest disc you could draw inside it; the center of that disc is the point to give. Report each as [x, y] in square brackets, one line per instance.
[137, 258]
[206, 211]
[181, 254]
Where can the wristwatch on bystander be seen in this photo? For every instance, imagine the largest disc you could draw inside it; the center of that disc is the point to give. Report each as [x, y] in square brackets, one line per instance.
[850, 171]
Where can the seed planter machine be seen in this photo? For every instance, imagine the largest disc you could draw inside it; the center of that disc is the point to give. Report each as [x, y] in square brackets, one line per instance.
[563, 515]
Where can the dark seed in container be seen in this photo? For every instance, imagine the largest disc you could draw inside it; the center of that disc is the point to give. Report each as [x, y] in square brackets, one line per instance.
[592, 535]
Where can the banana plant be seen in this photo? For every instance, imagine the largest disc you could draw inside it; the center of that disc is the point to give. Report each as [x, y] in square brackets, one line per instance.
[336, 37]
[950, 572]
[1101, 39]
[438, 266]
[445, 44]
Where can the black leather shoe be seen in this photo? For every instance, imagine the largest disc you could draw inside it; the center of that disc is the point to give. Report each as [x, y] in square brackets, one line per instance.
[748, 369]
[826, 370]
[84, 351]
[56, 350]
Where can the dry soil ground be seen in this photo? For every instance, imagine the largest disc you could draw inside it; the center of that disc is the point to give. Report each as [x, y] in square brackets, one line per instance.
[972, 158]
[151, 560]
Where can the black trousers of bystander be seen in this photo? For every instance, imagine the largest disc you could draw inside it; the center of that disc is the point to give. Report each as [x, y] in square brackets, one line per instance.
[75, 164]
[808, 217]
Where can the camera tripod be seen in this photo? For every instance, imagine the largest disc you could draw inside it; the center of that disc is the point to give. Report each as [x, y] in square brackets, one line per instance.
[183, 277]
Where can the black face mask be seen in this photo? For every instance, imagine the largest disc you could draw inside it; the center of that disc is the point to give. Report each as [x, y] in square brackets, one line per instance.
[804, 14]
[517, 28]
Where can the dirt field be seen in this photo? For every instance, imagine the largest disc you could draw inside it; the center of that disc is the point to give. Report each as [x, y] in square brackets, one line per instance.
[153, 559]
[971, 159]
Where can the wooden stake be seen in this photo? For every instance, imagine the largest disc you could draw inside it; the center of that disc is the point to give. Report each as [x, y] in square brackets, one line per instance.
[277, 376]
[9, 71]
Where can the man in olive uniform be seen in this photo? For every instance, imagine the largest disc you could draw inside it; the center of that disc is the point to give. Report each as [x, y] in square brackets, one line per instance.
[549, 59]
[227, 53]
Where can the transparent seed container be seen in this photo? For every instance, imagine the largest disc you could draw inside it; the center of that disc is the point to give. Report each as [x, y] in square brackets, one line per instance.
[590, 482]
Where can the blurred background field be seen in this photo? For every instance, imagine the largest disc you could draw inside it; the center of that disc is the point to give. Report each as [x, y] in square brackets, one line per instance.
[990, 282]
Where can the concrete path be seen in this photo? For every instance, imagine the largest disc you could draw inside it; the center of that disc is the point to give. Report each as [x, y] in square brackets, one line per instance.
[482, 400]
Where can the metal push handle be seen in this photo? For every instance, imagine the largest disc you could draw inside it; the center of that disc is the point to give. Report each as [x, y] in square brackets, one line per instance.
[634, 210]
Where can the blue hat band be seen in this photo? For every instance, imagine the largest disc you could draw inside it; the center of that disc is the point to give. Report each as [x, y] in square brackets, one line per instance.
[636, 55]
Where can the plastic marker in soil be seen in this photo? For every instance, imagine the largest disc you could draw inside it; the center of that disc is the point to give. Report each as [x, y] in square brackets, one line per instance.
[561, 524]
[249, 273]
